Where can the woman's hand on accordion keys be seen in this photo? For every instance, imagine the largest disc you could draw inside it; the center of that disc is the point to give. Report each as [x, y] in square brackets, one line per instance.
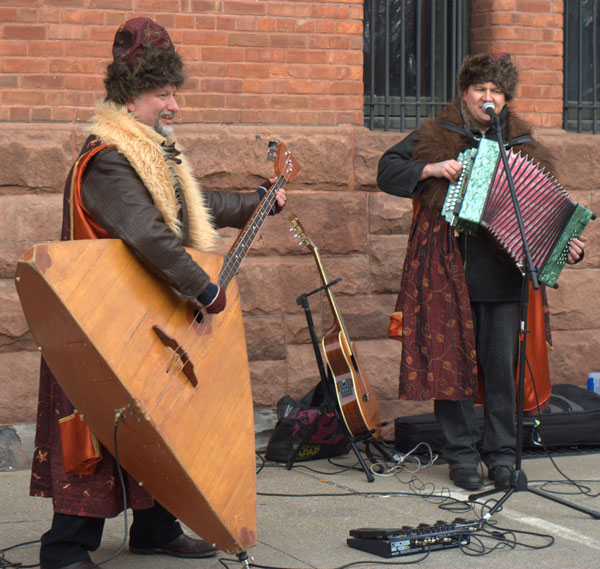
[576, 247]
[449, 169]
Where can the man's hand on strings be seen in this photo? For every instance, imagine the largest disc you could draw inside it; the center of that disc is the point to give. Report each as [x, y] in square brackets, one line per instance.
[280, 196]
[213, 298]
[576, 247]
[281, 199]
[449, 169]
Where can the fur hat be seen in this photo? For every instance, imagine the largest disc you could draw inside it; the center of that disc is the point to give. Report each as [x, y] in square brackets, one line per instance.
[144, 59]
[495, 68]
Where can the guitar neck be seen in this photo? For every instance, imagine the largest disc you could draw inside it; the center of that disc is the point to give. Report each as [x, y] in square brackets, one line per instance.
[330, 296]
[247, 236]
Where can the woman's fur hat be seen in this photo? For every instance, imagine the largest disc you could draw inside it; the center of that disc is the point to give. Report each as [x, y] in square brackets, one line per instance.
[144, 59]
[495, 68]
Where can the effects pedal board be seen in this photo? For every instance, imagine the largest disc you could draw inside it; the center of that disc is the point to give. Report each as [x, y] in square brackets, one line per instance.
[410, 540]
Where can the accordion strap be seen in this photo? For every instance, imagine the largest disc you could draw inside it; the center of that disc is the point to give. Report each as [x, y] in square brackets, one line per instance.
[458, 129]
[524, 138]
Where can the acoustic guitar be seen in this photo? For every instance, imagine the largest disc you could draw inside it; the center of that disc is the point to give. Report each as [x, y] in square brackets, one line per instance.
[355, 397]
[122, 343]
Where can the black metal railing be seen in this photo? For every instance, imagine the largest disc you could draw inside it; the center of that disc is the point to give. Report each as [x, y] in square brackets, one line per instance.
[412, 52]
[581, 66]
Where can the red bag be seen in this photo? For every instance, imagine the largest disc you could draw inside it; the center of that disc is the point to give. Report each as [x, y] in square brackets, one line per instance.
[80, 447]
[306, 430]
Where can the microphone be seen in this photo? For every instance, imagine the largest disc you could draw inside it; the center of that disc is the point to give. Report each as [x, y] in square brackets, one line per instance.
[489, 109]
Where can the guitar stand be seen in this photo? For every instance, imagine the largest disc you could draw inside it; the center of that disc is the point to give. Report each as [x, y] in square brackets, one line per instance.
[326, 382]
[384, 454]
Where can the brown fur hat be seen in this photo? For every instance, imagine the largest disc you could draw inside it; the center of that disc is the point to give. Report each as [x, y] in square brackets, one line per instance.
[144, 59]
[495, 68]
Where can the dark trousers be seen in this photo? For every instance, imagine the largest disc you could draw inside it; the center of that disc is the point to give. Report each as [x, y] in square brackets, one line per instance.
[496, 336]
[70, 538]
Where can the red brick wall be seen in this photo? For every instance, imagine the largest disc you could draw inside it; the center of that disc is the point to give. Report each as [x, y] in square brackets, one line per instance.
[252, 62]
[284, 62]
[532, 32]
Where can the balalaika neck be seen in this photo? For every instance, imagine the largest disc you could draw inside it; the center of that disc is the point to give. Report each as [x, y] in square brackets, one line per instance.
[241, 246]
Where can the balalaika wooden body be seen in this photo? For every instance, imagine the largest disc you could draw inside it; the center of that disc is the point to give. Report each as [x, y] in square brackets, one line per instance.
[481, 200]
[355, 397]
[128, 350]
[92, 309]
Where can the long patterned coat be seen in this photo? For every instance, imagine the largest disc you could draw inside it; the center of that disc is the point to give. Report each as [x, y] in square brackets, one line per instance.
[433, 315]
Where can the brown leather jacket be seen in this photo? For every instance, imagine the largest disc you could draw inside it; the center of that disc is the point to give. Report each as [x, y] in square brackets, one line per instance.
[129, 214]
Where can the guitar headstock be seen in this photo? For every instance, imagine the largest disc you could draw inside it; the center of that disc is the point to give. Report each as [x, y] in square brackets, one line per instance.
[300, 233]
[285, 163]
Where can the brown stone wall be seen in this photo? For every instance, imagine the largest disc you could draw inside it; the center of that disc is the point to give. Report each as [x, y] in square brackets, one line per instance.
[360, 232]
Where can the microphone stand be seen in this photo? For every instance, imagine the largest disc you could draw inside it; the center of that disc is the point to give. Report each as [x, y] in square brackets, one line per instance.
[518, 481]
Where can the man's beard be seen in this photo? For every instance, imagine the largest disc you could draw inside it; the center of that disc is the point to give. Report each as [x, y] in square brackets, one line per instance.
[163, 129]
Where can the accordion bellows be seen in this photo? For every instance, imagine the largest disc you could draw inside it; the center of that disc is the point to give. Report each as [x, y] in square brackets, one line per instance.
[481, 201]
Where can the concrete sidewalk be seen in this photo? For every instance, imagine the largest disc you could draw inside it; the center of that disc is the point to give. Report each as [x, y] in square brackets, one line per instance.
[305, 515]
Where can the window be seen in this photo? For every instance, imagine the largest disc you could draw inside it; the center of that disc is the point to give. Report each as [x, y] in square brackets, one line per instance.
[412, 52]
[581, 66]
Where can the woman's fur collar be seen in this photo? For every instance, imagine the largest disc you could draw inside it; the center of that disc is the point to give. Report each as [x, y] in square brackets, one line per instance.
[141, 145]
[434, 143]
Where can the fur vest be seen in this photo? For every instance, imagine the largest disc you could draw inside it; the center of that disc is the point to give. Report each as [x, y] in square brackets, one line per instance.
[142, 146]
[435, 143]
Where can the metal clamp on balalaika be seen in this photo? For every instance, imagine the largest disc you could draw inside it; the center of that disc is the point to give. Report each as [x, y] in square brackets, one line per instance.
[481, 198]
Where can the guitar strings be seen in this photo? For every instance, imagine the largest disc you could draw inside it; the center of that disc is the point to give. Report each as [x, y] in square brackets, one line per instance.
[236, 255]
[240, 247]
[196, 331]
[344, 338]
[229, 270]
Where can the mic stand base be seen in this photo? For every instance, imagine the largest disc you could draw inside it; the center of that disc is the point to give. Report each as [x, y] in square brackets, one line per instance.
[519, 484]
